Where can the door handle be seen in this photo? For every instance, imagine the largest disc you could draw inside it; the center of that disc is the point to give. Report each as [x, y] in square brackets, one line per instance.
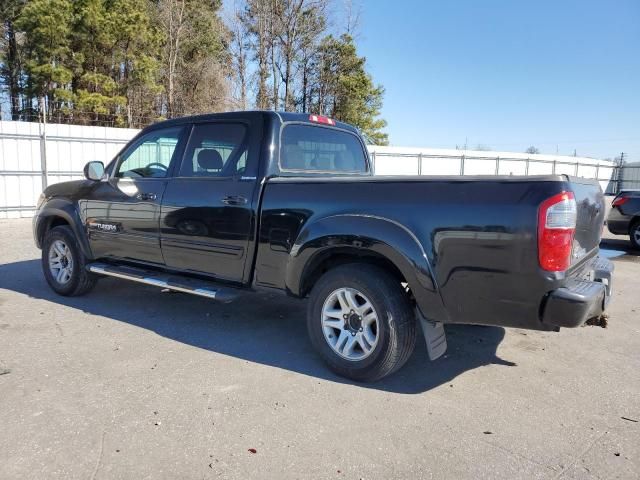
[234, 200]
[146, 196]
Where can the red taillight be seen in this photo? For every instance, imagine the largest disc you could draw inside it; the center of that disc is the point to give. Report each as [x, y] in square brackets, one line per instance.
[556, 227]
[321, 119]
[619, 201]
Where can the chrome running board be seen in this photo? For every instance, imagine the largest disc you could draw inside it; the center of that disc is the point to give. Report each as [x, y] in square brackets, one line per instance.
[178, 283]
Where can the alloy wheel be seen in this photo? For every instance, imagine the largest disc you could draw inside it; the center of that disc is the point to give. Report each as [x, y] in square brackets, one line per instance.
[350, 324]
[60, 262]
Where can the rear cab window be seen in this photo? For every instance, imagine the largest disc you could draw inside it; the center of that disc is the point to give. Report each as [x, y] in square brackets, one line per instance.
[316, 149]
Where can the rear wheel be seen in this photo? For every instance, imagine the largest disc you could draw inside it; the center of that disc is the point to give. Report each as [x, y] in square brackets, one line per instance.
[63, 263]
[634, 234]
[361, 322]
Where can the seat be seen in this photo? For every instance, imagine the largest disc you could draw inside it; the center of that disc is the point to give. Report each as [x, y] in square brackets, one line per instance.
[345, 162]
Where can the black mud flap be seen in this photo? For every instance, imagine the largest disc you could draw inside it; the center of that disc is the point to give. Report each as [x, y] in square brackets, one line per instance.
[435, 337]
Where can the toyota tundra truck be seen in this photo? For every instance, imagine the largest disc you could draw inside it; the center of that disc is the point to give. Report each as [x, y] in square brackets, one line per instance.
[225, 204]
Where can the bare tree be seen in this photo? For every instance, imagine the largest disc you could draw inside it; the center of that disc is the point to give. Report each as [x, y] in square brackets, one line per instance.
[197, 63]
[274, 24]
[301, 22]
[352, 15]
[239, 51]
[532, 150]
[285, 35]
[481, 147]
[172, 19]
[256, 20]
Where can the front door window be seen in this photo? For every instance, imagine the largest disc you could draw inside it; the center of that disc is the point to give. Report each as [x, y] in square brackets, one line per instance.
[150, 156]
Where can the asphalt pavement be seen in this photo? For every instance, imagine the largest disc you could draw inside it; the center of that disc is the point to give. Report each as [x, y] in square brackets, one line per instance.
[131, 382]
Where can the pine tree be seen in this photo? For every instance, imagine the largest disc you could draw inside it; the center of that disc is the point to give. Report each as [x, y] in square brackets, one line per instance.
[95, 89]
[131, 62]
[47, 25]
[345, 91]
[136, 54]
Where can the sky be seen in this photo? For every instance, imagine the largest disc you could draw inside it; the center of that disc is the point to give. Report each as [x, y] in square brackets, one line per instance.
[559, 75]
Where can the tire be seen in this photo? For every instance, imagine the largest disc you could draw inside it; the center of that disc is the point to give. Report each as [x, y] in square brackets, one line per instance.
[395, 325]
[634, 234]
[76, 280]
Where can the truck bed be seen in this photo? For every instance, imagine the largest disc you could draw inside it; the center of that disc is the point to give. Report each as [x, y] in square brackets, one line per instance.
[476, 237]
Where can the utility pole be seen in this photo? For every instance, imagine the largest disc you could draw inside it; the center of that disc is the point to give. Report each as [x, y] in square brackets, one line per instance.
[618, 173]
[43, 142]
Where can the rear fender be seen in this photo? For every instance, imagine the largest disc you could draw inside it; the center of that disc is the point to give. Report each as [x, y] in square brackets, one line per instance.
[366, 233]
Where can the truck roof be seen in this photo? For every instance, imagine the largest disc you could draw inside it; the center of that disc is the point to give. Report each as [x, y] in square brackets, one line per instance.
[283, 117]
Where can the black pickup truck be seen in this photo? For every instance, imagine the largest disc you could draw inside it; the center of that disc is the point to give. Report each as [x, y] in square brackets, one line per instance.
[217, 205]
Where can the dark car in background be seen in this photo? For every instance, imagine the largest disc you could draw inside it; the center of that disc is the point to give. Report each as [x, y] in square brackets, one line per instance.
[624, 217]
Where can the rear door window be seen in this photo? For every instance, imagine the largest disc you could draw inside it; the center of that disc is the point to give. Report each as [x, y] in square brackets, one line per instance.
[311, 148]
[215, 150]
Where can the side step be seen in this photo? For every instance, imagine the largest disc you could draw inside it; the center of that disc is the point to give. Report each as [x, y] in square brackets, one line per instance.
[194, 286]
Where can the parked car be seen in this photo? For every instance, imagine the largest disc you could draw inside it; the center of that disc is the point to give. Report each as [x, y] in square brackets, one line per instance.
[217, 205]
[624, 216]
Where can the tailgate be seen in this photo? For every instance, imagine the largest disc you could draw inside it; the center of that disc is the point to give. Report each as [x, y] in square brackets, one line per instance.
[590, 219]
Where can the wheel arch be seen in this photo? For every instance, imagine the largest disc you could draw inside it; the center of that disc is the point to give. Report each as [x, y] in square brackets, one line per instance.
[337, 256]
[57, 214]
[341, 239]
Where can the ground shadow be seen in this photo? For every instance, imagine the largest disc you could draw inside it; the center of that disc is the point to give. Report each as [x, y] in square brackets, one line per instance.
[618, 249]
[262, 328]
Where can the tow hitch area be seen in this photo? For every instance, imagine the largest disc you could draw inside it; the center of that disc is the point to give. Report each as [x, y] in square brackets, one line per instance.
[435, 337]
[599, 321]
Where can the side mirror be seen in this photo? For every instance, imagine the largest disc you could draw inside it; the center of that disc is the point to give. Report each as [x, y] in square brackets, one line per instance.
[94, 171]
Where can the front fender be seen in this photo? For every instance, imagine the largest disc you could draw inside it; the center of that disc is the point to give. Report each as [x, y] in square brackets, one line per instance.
[66, 210]
[379, 235]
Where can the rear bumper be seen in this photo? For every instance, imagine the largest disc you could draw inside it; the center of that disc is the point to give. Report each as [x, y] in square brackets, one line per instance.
[580, 299]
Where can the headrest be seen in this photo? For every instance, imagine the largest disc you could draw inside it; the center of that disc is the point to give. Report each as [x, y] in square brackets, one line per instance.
[293, 157]
[321, 164]
[344, 161]
[209, 159]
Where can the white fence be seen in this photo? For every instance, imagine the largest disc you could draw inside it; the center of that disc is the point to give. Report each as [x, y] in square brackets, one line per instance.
[31, 158]
[27, 158]
[435, 161]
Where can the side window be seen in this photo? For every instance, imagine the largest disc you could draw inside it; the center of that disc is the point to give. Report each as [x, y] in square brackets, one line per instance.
[151, 155]
[215, 150]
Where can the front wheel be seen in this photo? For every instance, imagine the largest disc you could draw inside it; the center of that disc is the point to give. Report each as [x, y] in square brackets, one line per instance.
[361, 322]
[63, 263]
